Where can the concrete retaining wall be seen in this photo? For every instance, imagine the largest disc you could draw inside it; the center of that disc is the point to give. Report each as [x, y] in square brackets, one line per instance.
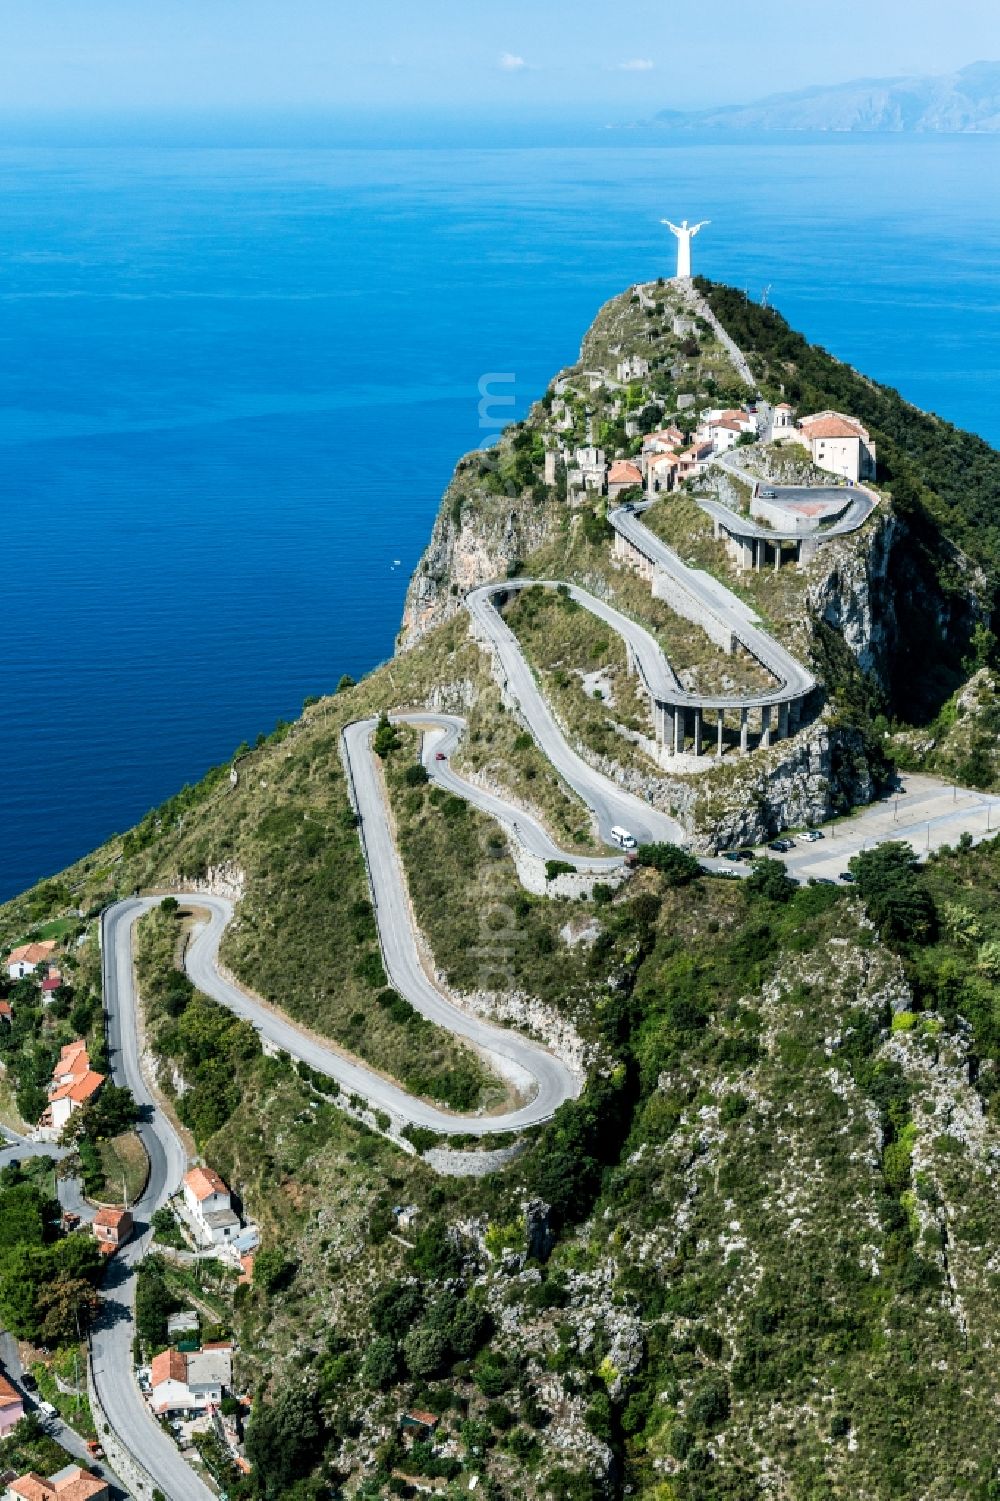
[674, 594]
[126, 1466]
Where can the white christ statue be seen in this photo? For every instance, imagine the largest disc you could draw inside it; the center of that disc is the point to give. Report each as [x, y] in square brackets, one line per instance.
[685, 234]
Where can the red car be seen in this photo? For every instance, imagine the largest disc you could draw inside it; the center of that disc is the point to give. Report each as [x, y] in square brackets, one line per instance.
[440, 756]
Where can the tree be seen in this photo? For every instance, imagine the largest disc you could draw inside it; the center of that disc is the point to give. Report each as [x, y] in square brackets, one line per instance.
[272, 1270]
[891, 886]
[381, 1363]
[22, 1216]
[426, 1351]
[154, 1302]
[674, 864]
[66, 1305]
[113, 1111]
[386, 738]
[284, 1439]
[769, 879]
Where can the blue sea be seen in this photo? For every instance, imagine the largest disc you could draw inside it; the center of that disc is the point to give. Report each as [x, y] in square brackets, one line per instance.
[233, 384]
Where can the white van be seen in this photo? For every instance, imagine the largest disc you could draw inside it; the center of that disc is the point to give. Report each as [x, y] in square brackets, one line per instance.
[623, 839]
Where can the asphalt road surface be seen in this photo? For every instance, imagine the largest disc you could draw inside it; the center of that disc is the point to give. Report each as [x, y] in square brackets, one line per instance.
[111, 1338]
[610, 804]
[794, 679]
[442, 735]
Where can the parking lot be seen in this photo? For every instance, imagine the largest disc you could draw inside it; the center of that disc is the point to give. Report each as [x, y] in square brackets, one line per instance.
[925, 813]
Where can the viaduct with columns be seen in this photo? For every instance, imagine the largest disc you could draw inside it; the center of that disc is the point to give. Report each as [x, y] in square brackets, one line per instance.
[679, 715]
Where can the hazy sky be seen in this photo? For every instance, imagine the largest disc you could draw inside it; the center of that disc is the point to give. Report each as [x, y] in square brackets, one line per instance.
[516, 57]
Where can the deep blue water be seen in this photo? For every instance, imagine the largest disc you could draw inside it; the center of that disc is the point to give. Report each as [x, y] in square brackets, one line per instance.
[233, 384]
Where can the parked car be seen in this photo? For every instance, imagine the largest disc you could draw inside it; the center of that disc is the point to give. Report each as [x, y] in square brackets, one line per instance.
[821, 881]
[731, 855]
[48, 1409]
[28, 1382]
[848, 876]
[623, 839]
[810, 836]
[745, 853]
[768, 494]
[440, 756]
[781, 846]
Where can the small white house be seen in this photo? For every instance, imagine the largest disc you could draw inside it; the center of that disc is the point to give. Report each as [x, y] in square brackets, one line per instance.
[840, 445]
[634, 367]
[211, 1206]
[190, 1383]
[591, 464]
[23, 961]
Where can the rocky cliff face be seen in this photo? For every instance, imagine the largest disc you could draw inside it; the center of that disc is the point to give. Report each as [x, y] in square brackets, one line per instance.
[855, 598]
[477, 536]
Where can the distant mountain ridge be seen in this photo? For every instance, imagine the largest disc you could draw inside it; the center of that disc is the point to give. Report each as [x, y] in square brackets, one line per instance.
[964, 102]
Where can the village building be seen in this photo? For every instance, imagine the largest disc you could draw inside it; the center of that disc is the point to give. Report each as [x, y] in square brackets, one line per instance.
[839, 444]
[112, 1228]
[210, 1205]
[53, 980]
[23, 961]
[71, 1484]
[725, 429]
[661, 472]
[11, 1406]
[782, 421]
[666, 440]
[74, 1082]
[6, 1012]
[623, 475]
[590, 468]
[633, 367]
[692, 461]
[192, 1382]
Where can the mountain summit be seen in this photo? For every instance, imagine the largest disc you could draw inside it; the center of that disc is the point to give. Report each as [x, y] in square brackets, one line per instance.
[966, 101]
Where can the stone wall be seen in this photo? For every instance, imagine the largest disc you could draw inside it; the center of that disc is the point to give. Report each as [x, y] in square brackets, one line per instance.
[683, 603]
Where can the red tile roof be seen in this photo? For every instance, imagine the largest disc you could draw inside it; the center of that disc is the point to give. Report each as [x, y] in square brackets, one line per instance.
[204, 1182]
[169, 1365]
[31, 953]
[832, 426]
[622, 472]
[8, 1394]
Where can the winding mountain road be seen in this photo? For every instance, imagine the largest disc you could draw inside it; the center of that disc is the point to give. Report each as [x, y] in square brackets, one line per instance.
[610, 804]
[793, 680]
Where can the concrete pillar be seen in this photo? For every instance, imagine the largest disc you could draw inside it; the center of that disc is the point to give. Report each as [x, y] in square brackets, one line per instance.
[765, 726]
[679, 729]
[783, 721]
[715, 528]
[668, 729]
[794, 715]
[719, 721]
[629, 659]
[744, 730]
[746, 548]
[759, 547]
[697, 732]
[777, 556]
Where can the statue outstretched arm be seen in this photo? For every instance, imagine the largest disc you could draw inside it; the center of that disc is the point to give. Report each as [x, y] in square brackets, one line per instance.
[695, 227]
[672, 227]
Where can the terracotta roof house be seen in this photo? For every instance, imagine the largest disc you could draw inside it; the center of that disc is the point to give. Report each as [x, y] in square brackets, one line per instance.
[210, 1205]
[622, 475]
[74, 1082]
[70, 1484]
[6, 1011]
[11, 1406]
[190, 1382]
[112, 1228]
[25, 960]
[839, 444]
